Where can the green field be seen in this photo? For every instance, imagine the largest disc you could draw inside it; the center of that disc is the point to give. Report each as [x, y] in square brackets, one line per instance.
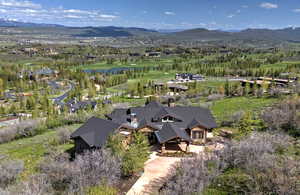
[223, 109]
[134, 64]
[32, 150]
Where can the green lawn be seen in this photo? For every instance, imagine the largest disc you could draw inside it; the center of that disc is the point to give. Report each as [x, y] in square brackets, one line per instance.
[32, 150]
[141, 63]
[223, 109]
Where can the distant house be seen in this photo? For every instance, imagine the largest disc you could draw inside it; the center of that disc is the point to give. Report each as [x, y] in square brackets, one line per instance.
[41, 73]
[134, 54]
[10, 95]
[75, 106]
[9, 121]
[173, 87]
[153, 54]
[277, 81]
[90, 57]
[260, 81]
[177, 88]
[188, 77]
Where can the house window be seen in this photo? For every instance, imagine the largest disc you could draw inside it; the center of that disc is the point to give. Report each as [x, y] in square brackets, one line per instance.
[197, 135]
[168, 119]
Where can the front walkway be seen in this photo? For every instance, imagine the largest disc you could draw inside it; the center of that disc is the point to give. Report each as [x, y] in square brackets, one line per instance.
[156, 171]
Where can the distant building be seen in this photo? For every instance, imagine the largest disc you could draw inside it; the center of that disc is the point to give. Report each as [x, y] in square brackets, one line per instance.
[134, 54]
[173, 87]
[9, 121]
[188, 77]
[74, 106]
[153, 54]
[260, 81]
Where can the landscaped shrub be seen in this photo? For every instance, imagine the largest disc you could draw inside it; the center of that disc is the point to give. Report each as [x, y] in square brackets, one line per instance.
[97, 167]
[61, 175]
[192, 175]
[133, 155]
[102, 190]
[136, 155]
[214, 97]
[36, 185]
[23, 129]
[92, 168]
[63, 135]
[9, 172]
[237, 116]
[257, 164]
[284, 116]
[249, 151]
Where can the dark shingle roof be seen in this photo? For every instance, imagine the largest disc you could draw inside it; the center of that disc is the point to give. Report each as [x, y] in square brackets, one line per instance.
[144, 123]
[154, 110]
[195, 123]
[77, 105]
[166, 111]
[169, 132]
[153, 104]
[95, 131]
[118, 115]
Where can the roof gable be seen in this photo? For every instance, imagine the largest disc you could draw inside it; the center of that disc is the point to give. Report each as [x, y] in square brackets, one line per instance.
[165, 111]
[195, 123]
[144, 123]
[169, 132]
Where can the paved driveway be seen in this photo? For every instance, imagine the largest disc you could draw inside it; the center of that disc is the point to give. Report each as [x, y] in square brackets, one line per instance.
[156, 171]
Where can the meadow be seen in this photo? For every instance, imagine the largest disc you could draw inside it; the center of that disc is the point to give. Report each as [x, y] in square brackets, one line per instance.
[32, 150]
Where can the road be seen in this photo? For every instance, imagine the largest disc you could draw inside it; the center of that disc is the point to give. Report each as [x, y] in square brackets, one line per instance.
[59, 99]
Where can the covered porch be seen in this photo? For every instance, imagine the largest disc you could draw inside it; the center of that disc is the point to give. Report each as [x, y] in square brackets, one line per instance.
[172, 139]
[175, 146]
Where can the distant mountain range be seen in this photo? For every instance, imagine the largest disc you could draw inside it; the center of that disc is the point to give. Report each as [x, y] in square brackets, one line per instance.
[199, 34]
[12, 23]
[286, 34]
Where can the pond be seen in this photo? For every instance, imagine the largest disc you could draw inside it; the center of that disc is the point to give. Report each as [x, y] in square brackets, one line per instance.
[112, 70]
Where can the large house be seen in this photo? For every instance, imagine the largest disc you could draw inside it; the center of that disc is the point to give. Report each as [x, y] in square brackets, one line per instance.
[165, 125]
[93, 134]
[188, 77]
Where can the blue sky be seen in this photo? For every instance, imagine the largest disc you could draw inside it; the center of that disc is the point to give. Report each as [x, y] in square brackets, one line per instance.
[157, 14]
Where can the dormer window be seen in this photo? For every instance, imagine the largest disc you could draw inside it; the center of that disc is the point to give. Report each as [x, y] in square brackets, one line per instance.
[168, 119]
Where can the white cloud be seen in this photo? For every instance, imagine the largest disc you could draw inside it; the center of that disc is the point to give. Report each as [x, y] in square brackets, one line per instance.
[245, 6]
[297, 10]
[29, 11]
[72, 16]
[107, 16]
[19, 4]
[169, 13]
[77, 11]
[230, 16]
[267, 5]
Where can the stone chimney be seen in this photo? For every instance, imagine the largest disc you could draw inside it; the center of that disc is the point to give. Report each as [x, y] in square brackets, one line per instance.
[133, 120]
[171, 102]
